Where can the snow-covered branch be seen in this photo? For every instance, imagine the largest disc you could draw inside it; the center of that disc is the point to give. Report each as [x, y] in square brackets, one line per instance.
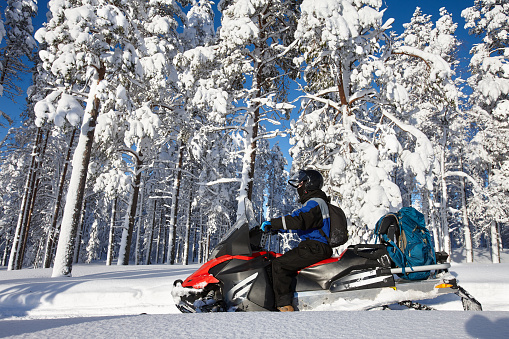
[437, 65]
[220, 181]
[464, 175]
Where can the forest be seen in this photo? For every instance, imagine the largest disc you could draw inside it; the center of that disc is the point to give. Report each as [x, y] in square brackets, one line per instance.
[148, 130]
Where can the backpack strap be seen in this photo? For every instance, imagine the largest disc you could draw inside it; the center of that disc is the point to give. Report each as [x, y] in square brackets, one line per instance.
[324, 207]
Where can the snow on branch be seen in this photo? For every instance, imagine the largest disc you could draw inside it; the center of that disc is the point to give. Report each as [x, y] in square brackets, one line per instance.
[220, 181]
[420, 160]
[464, 175]
[439, 68]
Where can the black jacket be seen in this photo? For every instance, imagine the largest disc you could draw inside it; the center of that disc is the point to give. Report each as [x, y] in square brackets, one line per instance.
[305, 221]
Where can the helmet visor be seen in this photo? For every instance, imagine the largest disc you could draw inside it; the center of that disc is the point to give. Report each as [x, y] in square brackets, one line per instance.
[297, 179]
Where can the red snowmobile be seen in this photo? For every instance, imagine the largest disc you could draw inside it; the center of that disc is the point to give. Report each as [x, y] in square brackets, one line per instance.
[238, 278]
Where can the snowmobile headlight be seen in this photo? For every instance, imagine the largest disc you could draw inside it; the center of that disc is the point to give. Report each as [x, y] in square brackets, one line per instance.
[443, 286]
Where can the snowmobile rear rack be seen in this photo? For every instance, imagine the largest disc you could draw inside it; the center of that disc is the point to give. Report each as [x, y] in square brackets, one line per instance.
[436, 267]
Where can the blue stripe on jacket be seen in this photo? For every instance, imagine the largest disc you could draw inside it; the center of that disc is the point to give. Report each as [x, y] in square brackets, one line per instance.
[312, 233]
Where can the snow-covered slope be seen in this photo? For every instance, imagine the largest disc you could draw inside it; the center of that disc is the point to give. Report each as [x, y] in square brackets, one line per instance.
[135, 301]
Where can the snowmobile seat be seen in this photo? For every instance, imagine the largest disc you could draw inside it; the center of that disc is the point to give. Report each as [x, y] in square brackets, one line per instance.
[359, 257]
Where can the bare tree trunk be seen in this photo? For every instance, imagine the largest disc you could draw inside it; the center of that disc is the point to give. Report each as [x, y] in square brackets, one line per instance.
[124, 259]
[33, 197]
[79, 235]
[499, 237]
[188, 230]
[138, 217]
[48, 253]
[6, 249]
[443, 205]
[14, 259]
[174, 208]
[159, 230]
[150, 233]
[248, 162]
[164, 245]
[111, 238]
[251, 137]
[81, 160]
[467, 234]
[201, 254]
[495, 239]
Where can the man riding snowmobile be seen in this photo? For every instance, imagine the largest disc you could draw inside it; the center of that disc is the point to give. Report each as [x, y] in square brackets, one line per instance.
[239, 273]
[308, 222]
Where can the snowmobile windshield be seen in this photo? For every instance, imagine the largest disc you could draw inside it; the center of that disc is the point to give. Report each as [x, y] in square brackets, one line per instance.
[235, 242]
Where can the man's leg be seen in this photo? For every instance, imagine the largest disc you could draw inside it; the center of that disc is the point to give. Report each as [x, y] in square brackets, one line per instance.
[285, 267]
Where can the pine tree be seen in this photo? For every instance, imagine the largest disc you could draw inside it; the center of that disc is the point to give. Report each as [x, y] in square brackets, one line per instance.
[488, 19]
[434, 107]
[96, 46]
[18, 31]
[255, 50]
[350, 125]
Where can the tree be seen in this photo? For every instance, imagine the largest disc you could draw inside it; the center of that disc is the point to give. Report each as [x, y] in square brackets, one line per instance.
[255, 50]
[74, 57]
[18, 31]
[489, 81]
[351, 123]
[434, 108]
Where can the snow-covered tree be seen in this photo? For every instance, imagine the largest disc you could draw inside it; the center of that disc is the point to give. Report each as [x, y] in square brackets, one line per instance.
[351, 116]
[16, 163]
[254, 49]
[19, 43]
[489, 65]
[432, 108]
[93, 49]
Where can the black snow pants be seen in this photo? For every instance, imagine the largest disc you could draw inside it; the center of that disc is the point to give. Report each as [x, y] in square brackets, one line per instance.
[285, 268]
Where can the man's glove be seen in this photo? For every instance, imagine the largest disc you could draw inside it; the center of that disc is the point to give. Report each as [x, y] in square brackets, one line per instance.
[265, 226]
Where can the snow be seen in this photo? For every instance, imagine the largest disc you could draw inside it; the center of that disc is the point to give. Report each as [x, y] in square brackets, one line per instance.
[135, 301]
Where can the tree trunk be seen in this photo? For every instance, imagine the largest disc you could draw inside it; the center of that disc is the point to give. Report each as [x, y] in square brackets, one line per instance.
[201, 254]
[33, 197]
[123, 240]
[14, 259]
[79, 235]
[138, 217]
[174, 208]
[150, 233]
[76, 191]
[188, 230]
[164, 246]
[467, 234]
[443, 205]
[6, 249]
[495, 247]
[48, 253]
[251, 135]
[111, 238]
[160, 229]
[124, 254]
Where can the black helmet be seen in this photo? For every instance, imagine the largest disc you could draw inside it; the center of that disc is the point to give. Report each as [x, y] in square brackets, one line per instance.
[312, 180]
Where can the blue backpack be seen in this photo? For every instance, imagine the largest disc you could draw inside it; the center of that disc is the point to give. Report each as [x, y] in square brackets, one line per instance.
[408, 241]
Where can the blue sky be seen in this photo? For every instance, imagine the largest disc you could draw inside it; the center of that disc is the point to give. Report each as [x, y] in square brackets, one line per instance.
[400, 10]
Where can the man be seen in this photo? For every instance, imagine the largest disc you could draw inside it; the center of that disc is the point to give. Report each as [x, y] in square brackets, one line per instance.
[308, 222]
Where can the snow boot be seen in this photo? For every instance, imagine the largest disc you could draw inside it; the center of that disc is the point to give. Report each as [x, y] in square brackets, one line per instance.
[287, 308]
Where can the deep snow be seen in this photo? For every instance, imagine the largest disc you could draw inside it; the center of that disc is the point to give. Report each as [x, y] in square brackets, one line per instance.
[135, 301]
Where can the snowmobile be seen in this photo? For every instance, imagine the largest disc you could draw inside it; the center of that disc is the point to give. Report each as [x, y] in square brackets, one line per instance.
[237, 277]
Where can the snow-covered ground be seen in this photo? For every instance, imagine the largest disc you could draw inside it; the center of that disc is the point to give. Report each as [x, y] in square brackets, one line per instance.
[135, 302]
